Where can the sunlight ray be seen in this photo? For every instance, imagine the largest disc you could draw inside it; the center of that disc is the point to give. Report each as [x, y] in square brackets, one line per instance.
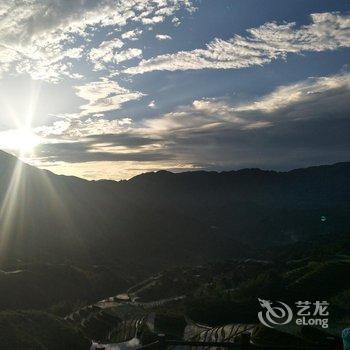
[9, 114]
[33, 102]
[56, 203]
[9, 214]
[20, 139]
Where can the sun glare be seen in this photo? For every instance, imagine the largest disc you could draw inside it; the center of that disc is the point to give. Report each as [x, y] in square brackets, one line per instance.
[20, 140]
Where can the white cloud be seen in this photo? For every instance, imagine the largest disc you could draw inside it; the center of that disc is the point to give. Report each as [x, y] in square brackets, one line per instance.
[43, 38]
[74, 52]
[285, 96]
[153, 20]
[77, 128]
[202, 114]
[127, 55]
[163, 37]
[303, 100]
[132, 34]
[7, 57]
[104, 53]
[176, 22]
[104, 95]
[271, 41]
[152, 104]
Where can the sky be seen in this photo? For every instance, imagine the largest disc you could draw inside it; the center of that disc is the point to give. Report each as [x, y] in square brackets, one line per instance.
[114, 88]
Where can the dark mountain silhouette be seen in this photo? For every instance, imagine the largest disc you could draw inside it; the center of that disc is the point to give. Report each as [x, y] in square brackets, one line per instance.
[161, 219]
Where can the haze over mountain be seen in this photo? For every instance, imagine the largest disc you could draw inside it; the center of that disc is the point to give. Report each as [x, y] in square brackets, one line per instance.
[161, 219]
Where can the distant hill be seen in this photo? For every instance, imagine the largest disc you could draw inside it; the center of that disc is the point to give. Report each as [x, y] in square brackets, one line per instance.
[161, 219]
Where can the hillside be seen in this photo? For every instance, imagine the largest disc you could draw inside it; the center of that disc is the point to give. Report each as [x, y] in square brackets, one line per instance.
[157, 220]
[197, 245]
[40, 331]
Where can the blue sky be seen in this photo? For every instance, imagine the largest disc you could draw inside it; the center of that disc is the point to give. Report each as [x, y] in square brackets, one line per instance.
[114, 88]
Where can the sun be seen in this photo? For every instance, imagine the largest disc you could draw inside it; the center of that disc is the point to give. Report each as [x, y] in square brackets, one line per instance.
[21, 140]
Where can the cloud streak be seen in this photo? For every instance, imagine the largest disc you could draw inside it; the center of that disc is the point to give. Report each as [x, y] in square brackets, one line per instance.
[262, 45]
[104, 95]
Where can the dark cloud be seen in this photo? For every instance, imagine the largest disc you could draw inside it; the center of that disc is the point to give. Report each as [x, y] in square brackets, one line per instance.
[285, 145]
[313, 127]
[81, 152]
[123, 139]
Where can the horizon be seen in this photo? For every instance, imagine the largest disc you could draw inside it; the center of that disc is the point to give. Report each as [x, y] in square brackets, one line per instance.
[186, 171]
[113, 89]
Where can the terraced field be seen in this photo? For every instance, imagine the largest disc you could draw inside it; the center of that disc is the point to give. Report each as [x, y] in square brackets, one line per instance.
[132, 318]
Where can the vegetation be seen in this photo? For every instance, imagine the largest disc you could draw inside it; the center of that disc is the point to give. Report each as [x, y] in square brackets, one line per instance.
[43, 285]
[219, 241]
[38, 331]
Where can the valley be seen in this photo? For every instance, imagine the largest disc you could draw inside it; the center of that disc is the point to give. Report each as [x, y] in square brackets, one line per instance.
[174, 254]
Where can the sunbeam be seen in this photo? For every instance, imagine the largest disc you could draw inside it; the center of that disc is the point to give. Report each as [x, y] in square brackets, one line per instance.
[21, 140]
[9, 210]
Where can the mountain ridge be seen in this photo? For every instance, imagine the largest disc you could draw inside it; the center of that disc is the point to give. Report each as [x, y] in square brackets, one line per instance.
[248, 170]
[161, 219]
[232, 172]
